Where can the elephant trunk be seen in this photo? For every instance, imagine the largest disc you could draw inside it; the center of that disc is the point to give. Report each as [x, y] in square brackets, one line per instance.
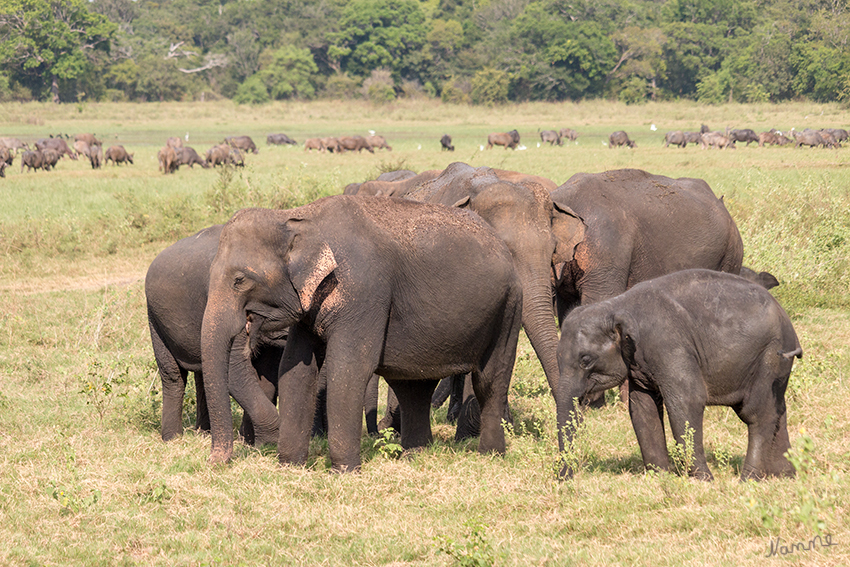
[221, 324]
[243, 383]
[538, 319]
[569, 419]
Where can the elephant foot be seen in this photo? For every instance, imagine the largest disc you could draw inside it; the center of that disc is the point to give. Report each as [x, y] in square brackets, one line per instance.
[220, 457]
[345, 469]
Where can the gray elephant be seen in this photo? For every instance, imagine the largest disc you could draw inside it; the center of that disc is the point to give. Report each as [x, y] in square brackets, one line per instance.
[637, 226]
[176, 288]
[368, 278]
[538, 232]
[684, 341]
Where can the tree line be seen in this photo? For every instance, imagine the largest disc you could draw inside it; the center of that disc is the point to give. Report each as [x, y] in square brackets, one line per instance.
[463, 51]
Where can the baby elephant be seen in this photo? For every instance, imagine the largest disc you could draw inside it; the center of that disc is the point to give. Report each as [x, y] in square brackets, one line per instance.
[688, 339]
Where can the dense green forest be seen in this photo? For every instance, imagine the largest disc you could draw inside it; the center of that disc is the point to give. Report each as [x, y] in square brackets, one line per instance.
[476, 51]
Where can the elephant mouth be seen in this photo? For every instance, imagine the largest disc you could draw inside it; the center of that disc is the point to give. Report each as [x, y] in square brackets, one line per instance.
[601, 382]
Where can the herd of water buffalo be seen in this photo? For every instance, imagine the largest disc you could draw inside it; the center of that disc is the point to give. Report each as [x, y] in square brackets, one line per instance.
[46, 152]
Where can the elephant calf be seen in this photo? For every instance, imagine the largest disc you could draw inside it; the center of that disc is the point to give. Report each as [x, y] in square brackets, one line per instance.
[688, 339]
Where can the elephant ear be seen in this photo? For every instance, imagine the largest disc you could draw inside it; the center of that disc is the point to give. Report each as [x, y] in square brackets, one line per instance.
[624, 331]
[569, 230]
[310, 261]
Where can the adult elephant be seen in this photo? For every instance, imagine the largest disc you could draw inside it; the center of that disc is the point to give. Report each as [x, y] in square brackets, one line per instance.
[539, 233]
[638, 226]
[176, 288]
[371, 280]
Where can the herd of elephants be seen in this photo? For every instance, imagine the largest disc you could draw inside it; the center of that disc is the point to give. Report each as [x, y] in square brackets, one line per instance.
[621, 279]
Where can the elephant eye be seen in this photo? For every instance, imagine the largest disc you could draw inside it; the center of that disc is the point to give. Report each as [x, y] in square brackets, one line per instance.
[586, 361]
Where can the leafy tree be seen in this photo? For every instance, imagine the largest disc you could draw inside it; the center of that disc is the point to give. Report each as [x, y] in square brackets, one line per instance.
[490, 86]
[290, 73]
[641, 64]
[379, 33]
[46, 42]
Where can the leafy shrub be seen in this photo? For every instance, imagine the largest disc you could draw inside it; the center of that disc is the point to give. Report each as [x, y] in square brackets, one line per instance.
[490, 86]
[252, 91]
[379, 87]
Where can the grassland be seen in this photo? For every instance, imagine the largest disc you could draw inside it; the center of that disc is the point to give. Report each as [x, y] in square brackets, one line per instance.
[85, 479]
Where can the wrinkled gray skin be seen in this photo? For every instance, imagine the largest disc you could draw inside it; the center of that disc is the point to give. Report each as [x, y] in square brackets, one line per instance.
[176, 288]
[620, 138]
[639, 226]
[446, 143]
[368, 278]
[392, 184]
[538, 232]
[684, 341]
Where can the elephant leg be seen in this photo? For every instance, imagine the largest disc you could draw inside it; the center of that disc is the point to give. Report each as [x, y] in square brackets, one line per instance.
[202, 412]
[647, 414]
[414, 401]
[298, 385]
[685, 411]
[767, 436]
[469, 412]
[370, 405]
[442, 393]
[392, 416]
[458, 384]
[320, 419]
[173, 379]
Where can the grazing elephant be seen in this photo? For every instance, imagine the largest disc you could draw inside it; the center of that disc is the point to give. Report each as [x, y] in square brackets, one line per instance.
[368, 278]
[506, 139]
[187, 155]
[620, 138]
[538, 232]
[176, 288]
[118, 155]
[551, 136]
[446, 143]
[676, 137]
[244, 143]
[685, 340]
[639, 226]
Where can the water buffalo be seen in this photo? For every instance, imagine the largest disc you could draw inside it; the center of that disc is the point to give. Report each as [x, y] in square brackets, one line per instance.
[716, 140]
[51, 158]
[13, 144]
[95, 156]
[550, 136]
[692, 137]
[331, 144]
[840, 134]
[506, 139]
[118, 155]
[167, 157]
[188, 156]
[57, 144]
[676, 137]
[32, 160]
[351, 143]
[620, 138]
[378, 143]
[218, 155]
[244, 143]
[82, 148]
[568, 133]
[446, 143]
[89, 139]
[829, 140]
[174, 142]
[808, 137]
[314, 144]
[743, 135]
[280, 140]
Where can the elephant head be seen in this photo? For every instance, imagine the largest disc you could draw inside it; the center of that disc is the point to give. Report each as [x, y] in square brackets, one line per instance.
[595, 353]
[539, 233]
[260, 281]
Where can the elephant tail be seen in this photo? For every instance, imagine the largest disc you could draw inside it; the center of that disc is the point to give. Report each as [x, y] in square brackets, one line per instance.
[798, 352]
